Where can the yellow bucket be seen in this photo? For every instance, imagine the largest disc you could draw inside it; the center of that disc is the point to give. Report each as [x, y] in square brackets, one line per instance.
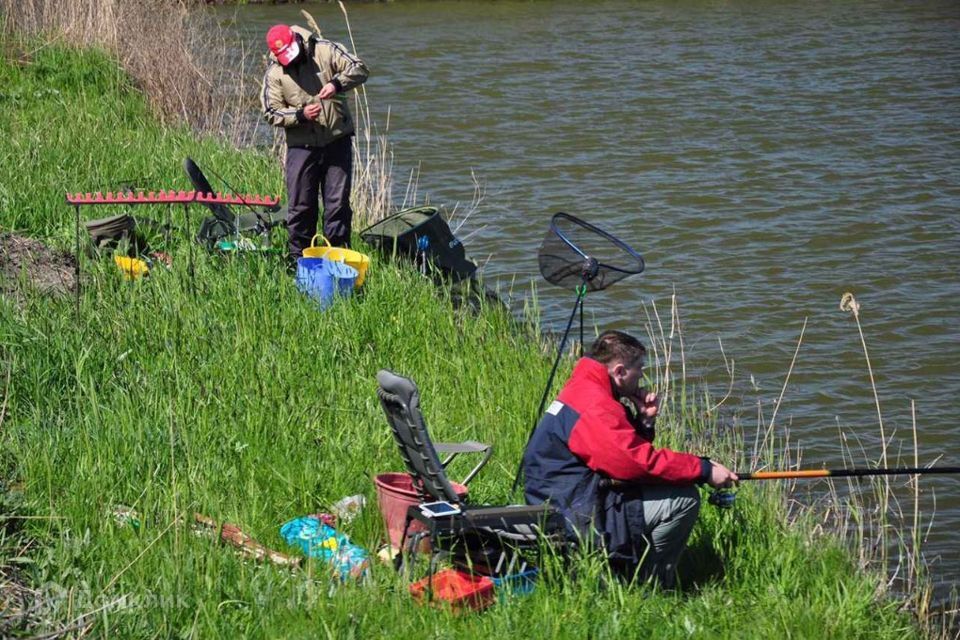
[131, 267]
[354, 259]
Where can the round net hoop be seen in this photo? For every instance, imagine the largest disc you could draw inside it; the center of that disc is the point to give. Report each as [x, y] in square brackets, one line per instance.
[575, 252]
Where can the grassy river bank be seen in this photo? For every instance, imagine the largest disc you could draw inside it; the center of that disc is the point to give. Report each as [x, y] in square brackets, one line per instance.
[231, 396]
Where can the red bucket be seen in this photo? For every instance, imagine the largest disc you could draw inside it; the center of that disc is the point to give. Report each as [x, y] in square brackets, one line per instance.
[395, 493]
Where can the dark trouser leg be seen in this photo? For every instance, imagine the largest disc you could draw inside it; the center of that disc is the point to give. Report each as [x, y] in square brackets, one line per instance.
[303, 190]
[337, 181]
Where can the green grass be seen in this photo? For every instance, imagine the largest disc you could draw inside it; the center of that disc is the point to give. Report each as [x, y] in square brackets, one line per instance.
[231, 396]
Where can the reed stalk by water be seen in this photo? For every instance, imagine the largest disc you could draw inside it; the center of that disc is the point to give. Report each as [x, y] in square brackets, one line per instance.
[849, 304]
[373, 170]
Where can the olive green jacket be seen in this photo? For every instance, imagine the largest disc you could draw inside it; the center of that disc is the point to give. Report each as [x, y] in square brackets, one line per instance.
[287, 90]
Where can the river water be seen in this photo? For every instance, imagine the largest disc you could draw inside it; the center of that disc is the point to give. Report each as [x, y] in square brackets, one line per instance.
[765, 158]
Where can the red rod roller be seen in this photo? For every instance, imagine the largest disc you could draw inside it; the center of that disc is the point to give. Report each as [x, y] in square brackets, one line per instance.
[168, 197]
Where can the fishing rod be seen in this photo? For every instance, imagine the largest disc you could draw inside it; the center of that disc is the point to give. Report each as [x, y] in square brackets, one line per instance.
[844, 473]
[725, 498]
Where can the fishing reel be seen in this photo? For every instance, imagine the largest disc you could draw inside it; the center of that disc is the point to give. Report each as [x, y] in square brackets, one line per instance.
[723, 498]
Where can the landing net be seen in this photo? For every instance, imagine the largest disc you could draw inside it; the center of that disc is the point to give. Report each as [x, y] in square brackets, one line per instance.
[575, 252]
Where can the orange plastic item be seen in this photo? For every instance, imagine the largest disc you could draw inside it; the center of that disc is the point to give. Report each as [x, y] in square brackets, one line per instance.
[459, 589]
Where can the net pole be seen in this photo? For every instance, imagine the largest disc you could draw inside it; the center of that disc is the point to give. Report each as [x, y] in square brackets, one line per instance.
[581, 292]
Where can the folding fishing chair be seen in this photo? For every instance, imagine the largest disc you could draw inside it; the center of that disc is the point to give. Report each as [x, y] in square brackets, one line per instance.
[491, 540]
[224, 224]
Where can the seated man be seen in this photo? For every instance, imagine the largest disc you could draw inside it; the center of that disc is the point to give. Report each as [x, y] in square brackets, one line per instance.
[587, 438]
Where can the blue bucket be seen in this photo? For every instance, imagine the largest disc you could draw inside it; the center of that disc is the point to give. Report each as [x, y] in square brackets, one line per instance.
[515, 584]
[325, 280]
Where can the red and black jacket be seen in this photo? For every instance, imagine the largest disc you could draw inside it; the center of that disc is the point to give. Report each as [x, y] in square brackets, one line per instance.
[586, 436]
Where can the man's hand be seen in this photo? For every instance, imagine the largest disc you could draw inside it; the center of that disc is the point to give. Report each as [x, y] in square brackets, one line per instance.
[721, 477]
[329, 90]
[646, 405]
[642, 409]
[311, 111]
[649, 403]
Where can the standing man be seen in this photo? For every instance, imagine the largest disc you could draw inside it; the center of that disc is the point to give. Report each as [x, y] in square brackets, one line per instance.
[304, 92]
[592, 457]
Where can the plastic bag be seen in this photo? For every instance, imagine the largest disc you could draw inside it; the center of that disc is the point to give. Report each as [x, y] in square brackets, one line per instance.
[319, 540]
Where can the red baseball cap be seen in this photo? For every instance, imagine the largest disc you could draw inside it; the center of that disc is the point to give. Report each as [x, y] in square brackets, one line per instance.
[283, 43]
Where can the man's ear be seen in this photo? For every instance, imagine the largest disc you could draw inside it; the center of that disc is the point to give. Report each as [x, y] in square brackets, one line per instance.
[618, 370]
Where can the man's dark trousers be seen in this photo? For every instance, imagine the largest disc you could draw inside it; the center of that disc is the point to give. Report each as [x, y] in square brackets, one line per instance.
[314, 172]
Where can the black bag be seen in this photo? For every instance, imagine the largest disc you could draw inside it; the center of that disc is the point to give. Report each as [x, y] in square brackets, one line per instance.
[422, 235]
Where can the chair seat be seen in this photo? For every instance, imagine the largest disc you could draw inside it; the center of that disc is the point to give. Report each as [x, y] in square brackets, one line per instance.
[492, 541]
[541, 514]
[517, 524]
[271, 218]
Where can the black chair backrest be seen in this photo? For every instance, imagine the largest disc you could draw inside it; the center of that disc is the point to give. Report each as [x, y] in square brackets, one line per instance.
[400, 400]
[201, 184]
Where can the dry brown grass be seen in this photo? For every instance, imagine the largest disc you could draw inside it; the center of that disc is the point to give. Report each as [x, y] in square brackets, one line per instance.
[173, 53]
[373, 168]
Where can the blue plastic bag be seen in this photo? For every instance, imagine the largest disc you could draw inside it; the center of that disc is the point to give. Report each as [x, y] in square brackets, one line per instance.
[319, 540]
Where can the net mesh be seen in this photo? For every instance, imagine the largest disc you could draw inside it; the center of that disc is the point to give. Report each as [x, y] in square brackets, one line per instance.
[574, 251]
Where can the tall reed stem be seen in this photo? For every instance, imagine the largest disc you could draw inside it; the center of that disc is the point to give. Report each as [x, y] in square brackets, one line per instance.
[849, 303]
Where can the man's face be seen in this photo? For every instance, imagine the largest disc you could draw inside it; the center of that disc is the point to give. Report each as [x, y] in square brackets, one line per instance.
[626, 377]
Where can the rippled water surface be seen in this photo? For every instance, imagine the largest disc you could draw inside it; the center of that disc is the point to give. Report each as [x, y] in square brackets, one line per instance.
[764, 157]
